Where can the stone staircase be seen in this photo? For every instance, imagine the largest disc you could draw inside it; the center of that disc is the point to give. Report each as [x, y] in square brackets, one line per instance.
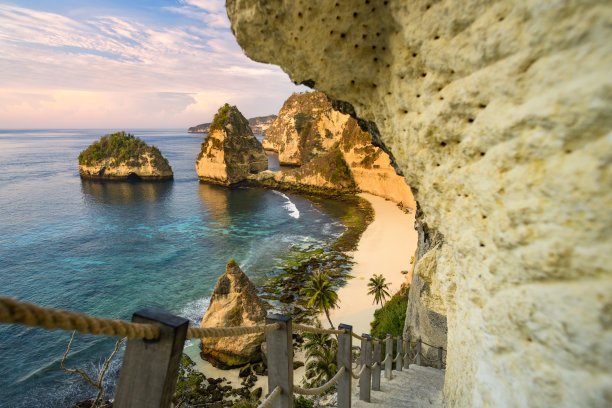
[413, 388]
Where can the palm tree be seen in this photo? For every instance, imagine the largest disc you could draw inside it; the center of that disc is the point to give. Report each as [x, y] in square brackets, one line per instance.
[378, 288]
[320, 293]
[321, 354]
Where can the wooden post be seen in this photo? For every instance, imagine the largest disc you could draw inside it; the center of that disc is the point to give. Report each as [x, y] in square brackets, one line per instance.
[400, 357]
[280, 360]
[344, 360]
[418, 352]
[365, 380]
[407, 353]
[376, 370]
[150, 367]
[389, 354]
[439, 357]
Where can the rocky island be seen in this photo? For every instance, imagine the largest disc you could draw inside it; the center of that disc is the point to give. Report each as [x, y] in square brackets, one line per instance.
[234, 302]
[121, 156]
[230, 152]
[259, 125]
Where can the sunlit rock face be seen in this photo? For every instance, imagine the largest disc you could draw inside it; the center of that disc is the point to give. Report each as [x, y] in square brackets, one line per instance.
[498, 115]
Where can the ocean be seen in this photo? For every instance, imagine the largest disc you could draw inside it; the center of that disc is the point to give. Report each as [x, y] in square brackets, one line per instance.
[111, 248]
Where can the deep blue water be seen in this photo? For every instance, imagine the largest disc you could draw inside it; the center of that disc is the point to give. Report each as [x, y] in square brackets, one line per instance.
[109, 249]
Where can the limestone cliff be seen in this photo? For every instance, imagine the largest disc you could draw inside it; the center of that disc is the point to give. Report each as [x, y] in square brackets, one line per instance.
[308, 128]
[234, 302]
[498, 115]
[121, 156]
[230, 152]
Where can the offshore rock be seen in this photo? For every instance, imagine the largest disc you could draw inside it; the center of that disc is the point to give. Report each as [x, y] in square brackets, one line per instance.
[121, 156]
[234, 302]
[498, 115]
[308, 129]
[259, 125]
[230, 152]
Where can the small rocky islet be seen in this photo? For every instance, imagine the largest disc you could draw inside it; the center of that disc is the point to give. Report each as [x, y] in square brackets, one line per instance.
[122, 156]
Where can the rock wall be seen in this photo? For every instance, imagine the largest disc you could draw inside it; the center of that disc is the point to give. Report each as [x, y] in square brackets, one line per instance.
[230, 152]
[498, 115]
[107, 169]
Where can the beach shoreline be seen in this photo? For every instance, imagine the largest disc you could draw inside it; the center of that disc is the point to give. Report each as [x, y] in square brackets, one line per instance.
[385, 247]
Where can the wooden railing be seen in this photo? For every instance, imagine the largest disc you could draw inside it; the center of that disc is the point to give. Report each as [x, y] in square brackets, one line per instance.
[155, 344]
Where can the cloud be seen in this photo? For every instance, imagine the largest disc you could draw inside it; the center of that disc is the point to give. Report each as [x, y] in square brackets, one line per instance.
[55, 65]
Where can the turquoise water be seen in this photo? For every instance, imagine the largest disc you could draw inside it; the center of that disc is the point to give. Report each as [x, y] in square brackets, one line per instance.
[109, 249]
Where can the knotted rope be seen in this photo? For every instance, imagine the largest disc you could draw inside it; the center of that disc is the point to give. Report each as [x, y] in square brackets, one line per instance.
[271, 398]
[28, 314]
[322, 388]
[319, 330]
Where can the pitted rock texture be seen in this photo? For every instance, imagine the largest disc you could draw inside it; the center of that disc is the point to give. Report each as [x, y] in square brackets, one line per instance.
[234, 302]
[230, 152]
[498, 115]
[310, 133]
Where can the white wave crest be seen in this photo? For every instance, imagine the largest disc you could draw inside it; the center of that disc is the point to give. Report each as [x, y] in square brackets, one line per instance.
[194, 310]
[289, 206]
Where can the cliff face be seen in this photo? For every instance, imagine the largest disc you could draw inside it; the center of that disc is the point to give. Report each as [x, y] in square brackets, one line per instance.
[234, 302]
[498, 115]
[121, 156]
[258, 125]
[308, 129]
[230, 152]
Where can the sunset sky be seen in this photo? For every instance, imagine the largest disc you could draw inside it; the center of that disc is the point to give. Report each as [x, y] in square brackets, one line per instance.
[127, 64]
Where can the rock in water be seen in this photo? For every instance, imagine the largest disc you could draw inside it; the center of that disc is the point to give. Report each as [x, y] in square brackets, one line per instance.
[234, 303]
[230, 152]
[121, 156]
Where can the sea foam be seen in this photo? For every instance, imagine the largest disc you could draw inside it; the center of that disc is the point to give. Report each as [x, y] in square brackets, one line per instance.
[289, 205]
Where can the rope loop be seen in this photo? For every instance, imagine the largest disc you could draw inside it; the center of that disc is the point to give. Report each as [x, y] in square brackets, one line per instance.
[271, 398]
[322, 388]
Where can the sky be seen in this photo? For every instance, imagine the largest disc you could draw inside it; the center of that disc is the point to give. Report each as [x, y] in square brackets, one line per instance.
[127, 64]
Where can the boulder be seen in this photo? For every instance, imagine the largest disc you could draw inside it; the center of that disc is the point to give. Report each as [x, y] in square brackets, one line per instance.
[234, 302]
[230, 152]
[121, 156]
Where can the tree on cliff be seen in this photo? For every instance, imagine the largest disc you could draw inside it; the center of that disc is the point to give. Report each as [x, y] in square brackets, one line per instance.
[378, 287]
[321, 294]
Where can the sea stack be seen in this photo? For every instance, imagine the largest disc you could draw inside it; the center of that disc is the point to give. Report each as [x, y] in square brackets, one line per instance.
[121, 156]
[234, 302]
[230, 152]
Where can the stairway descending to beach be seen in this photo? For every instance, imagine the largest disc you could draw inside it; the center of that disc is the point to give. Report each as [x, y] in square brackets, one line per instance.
[414, 388]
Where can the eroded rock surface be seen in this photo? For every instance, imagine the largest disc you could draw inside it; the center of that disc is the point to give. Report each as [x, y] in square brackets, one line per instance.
[498, 115]
[230, 152]
[234, 302]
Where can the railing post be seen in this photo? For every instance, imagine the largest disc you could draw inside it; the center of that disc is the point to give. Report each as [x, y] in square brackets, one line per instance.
[389, 357]
[407, 352]
[280, 360]
[439, 357]
[150, 367]
[398, 364]
[344, 360]
[376, 370]
[365, 380]
[418, 352]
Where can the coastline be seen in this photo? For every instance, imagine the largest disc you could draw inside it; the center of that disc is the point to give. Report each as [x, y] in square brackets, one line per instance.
[385, 247]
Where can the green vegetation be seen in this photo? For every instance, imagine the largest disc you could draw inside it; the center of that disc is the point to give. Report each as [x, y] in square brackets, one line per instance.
[122, 147]
[232, 263]
[220, 118]
[321, 357]
[391, 317]
[321, 293]
[301, 402]
[378, 287]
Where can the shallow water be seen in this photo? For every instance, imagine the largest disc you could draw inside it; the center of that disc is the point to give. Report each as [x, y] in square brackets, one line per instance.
[109, 249]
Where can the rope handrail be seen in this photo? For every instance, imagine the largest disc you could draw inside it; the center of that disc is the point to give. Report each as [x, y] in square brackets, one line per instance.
[397, 356]
[375, 364]
[385, 360]
[358, 337]
[29, 314]
[270, 398]
[358, 376]
[200, 332]
[322, 388]
[318, 330]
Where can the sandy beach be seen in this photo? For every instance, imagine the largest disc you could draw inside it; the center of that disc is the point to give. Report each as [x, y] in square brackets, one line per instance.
[386, 247]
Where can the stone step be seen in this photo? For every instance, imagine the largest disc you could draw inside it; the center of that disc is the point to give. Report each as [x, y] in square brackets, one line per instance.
[413, 388]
